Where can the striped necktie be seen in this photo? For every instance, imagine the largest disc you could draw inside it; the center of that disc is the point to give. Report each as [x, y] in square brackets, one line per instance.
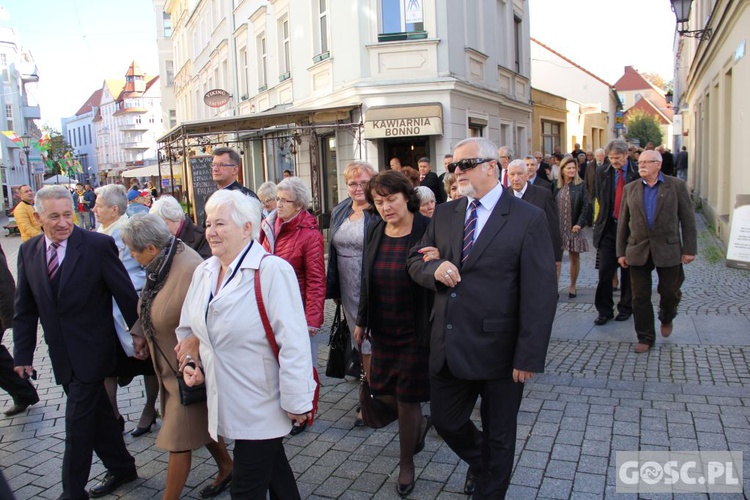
[53, 264]
[469, 228]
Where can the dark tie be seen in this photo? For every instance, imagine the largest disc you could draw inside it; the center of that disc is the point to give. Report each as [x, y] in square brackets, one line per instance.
[469, 228]
[618, 191]
[53, 264]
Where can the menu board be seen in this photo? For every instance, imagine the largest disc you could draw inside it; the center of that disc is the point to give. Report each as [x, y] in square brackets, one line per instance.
[738, 250]
[202, 184]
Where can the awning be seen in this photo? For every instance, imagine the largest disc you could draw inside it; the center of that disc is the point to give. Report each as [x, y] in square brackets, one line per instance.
[257, 121]
[404, 121]
[149, 171]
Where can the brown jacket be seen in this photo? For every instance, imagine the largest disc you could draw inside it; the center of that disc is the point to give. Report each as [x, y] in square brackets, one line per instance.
[673, 233]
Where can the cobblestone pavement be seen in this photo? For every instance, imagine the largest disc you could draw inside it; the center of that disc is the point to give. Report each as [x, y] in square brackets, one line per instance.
[691, 392]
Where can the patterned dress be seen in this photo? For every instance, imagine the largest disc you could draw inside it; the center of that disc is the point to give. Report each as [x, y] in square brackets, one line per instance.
[399, 364]
[572, 242]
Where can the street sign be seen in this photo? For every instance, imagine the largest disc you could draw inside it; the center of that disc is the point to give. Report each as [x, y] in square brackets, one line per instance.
[619, 120]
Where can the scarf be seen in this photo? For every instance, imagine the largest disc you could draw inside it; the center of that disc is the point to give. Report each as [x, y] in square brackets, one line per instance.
[157, 272]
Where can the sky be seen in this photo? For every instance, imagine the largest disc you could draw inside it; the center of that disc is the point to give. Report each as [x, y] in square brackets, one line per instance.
[604, 36]
[78, 43]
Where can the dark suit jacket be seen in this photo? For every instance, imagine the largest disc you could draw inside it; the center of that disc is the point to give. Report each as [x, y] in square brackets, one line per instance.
[673, 233]
[7, 291]
[604, 189]
[432, 182]
[78, 325]
[421, 298]
[542, 198]
[500, 316]
[543, 183]
[195, 237]
[667, 163]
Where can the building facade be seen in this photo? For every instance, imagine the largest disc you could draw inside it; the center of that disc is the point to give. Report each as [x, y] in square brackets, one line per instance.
[80, 132]
[18, 109]
[420, 74]
[590, 102]
[127, 123]
[637, 93]
[712, 103]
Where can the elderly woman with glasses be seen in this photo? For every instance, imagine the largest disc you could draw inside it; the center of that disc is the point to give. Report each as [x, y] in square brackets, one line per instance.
[426, 200]
[291, 233]
[267, 196]
[110, 208]
[349, 220]
[169, 264]
[181, 225]
[253, 396]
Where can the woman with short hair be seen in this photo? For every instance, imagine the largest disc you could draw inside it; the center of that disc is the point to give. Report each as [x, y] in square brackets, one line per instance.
[426, 201]
[267, 196]
[181, 225]
[291, 233]
[253, 396]
[111, 204]
[170, 264]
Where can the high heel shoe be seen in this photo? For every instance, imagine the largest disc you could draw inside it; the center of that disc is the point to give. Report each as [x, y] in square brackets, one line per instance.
[140, 431]
[211, 491]
[404, 490]
[572, 295]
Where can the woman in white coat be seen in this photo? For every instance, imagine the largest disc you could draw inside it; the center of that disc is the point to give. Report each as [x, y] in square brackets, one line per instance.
[253, 398]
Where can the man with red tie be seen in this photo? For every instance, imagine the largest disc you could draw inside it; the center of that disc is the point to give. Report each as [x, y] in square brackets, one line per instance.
[608, 191]
[505, 155]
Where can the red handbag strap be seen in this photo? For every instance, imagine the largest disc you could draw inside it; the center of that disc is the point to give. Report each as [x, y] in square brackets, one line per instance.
[272, 338]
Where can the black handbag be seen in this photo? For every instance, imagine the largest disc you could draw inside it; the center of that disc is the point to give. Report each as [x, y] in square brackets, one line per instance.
[188, 395]
[375, 412]
[340, 346]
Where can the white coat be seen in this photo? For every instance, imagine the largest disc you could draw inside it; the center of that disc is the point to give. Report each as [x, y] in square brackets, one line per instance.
[249, 392]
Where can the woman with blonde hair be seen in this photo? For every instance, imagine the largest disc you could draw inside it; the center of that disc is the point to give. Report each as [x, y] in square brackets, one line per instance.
[573, 206]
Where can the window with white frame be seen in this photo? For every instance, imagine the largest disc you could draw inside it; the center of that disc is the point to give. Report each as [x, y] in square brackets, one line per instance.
[9, 117]
[321, 30]
[517, 41]
[243, 74]
[550, 136]
[401, 20]
[262, 69]
[285, 59]
[169, 70]
[167, 21]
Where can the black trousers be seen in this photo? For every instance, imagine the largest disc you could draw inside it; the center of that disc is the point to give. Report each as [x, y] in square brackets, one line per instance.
[608, 266]
[261, 466]
[21, 390]
[489, 452]
[670, 281]
[90, 426]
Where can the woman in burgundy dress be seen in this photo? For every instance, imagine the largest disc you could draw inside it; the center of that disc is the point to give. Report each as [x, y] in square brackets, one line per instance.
[395, 312]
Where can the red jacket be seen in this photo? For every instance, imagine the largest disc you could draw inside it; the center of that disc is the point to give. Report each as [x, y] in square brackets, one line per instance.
[300, 243]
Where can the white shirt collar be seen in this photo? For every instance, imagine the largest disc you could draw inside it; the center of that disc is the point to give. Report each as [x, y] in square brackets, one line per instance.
[489, 200]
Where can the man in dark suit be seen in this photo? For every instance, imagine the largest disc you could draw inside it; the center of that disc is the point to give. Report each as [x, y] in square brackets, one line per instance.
[681, 164]
[225, 168]
[67, 278]
[656, 229]
[534, 176]
[518, 173]
[667, 160]
[22, 391]
[430, 179]
[608, 191]
[495, 299]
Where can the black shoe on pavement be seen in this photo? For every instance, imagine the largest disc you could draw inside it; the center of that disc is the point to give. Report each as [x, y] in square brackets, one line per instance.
[471, 481]
[298, 429]
[111, 482]
[17, 409]
[602, 320]
[212, 491]
[622, 317]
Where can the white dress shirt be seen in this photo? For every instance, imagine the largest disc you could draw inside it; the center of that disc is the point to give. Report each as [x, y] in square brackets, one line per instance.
[486, 205]
[519, 194]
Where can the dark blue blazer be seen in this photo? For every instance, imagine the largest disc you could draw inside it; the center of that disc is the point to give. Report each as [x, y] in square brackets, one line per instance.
[499, 317]
[77, 322]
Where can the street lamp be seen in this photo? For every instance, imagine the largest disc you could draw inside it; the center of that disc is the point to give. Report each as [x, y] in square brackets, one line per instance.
[681, 10]
[26, 141]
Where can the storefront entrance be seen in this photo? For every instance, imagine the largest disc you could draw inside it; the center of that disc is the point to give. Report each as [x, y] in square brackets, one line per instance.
[407, 149]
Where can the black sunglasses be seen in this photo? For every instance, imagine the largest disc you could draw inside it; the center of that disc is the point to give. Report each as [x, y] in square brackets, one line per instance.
[467, 164]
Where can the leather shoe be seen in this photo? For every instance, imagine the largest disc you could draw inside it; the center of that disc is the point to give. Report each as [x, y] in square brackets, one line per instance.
[420, 443]
[640, 348]
[622, 317]
[298, 429]
[471, 481]
[602, 320]
[111, 482]
[17, 408]
[666, 330]
[359, 422]
[211, 491]
[404, 490]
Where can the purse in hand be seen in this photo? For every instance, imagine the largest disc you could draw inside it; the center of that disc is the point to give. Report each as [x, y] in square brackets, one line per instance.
[188, 395]
[340, 346]
[375, 412]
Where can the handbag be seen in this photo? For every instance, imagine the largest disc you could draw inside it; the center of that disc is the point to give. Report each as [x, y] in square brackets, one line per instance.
[340, 347]
[272, 340]
[188, 395]
[375, 412]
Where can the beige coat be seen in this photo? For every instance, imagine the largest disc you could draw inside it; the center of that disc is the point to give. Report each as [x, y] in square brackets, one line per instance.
[673, 233]
[183, 427]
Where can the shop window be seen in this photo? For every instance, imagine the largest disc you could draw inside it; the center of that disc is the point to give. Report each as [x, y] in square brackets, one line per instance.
[550, 136]
[401, 20]
[477, 126]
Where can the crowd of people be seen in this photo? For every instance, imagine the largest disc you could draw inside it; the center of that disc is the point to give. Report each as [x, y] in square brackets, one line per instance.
[449, 284]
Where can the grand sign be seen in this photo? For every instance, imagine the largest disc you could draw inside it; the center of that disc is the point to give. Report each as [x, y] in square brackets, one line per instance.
[403, 121]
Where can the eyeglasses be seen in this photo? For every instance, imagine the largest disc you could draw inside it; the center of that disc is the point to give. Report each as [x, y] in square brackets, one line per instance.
[220, 165]
[506, 157]
[267, 201]
[283, 201]
[648, 161]
[355, 185]
[467, 164]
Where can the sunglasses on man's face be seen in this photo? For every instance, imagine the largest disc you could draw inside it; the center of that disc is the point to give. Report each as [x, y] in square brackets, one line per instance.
[467, 164]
